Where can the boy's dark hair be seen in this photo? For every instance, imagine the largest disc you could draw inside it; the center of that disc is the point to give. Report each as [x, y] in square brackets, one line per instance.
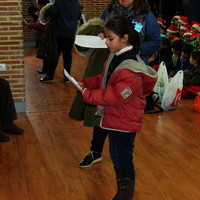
[177, 45]
[139, 6]
[166, 42]
[196, 56]
[187, 48]
[121, 25]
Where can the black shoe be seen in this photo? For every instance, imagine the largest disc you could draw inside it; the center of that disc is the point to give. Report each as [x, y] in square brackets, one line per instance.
[90, 158]
[125, 189]
[11, 128]
[4, 138]
[41, 71]
[46, 79]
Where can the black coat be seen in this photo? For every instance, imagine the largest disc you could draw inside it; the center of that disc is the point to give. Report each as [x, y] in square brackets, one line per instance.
[47, 49]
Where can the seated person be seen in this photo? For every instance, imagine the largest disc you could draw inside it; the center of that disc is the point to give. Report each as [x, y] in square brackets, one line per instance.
[191, 80]
[188, 37]
[185, 57]
[172, 33]
[175, 64]
[164, 54]
[196, 29]
[7, 112]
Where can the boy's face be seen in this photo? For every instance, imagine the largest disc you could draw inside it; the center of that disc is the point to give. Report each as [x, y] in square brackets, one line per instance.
[184, 55]
[193, 61]
[174, 51]
[194, 30]
[170, 35]
[175, 22]
[188, 38]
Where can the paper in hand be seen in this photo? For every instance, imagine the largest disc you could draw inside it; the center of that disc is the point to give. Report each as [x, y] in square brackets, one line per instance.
[72, 80]
[90, 41]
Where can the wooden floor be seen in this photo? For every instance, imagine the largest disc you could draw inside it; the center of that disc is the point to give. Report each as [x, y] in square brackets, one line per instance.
[42, 164]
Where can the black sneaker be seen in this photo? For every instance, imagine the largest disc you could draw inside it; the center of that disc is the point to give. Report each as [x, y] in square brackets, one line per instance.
[90, 158]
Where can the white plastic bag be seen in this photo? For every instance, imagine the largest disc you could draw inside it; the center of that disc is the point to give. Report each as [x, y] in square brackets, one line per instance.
[172, 94]
[162, 81]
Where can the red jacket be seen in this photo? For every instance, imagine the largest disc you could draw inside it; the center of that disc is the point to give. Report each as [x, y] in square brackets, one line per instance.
[122, 101]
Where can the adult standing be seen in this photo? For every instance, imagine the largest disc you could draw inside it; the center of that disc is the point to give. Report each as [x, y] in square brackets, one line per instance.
[138, 11]
[7, 112]
[66, 14]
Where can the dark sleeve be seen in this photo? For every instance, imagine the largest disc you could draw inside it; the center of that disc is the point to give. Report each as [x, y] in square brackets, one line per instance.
[152, 39]
[104, 14]
[192, 78]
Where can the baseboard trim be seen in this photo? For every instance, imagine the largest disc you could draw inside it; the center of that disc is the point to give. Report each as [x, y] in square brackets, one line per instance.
[20, 107]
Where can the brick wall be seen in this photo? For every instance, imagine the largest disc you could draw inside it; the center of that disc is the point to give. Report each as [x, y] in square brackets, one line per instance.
[11, 46]
[93, 8]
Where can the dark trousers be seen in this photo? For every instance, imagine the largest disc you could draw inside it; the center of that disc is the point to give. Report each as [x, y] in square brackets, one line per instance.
[64, 46]
[99, 136]
[7, 107]
[121, 146]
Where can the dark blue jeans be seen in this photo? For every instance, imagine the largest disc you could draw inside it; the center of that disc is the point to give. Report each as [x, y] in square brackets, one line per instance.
[121, 146]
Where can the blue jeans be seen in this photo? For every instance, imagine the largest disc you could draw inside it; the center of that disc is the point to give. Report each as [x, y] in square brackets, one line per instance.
[121, 146]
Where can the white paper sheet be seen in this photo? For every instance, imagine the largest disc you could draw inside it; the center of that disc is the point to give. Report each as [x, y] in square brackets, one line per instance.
[72, 80]
[90, 41]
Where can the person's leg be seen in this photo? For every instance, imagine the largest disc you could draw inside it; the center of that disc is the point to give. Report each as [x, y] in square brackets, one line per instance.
[99, 136]
[66, 49]
[43, 69]
[7, 110]
[94, 156]
[51, 66]
[121, 146]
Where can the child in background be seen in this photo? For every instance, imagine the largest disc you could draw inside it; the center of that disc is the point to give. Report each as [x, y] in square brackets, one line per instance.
[196, 29]
[119, 91]
[163, 30]
[174, 66]
[37, 26]
[165, 54]
[182, 20]
[188, 37]
[183, 29]
[185, 57]
[172, 33]
[175, 19]
[191, 80]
